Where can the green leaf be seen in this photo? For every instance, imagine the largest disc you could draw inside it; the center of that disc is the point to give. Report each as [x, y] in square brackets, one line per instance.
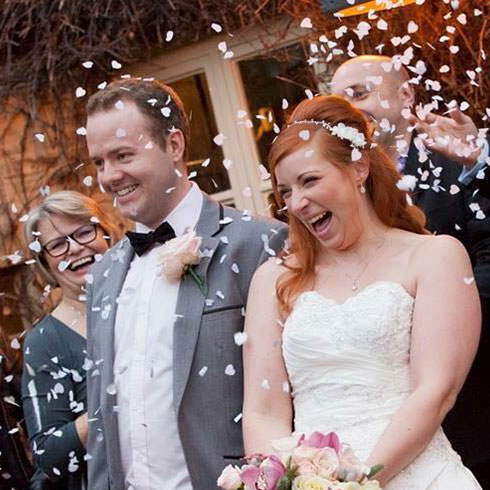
[197, 280]
[284, 483]
[375, 469]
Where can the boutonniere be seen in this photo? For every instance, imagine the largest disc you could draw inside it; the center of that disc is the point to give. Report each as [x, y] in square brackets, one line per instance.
[178, 256]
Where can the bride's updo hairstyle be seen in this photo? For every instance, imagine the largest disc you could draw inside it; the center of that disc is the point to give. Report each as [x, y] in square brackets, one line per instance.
[388, 201]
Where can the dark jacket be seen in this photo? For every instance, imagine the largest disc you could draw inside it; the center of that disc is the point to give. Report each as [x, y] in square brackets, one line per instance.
[453, 209]
[54, 395]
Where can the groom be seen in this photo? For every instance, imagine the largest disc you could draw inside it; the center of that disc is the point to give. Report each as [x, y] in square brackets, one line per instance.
[165, 388]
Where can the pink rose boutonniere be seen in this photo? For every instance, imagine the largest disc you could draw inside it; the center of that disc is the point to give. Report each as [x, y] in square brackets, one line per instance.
[178, 256]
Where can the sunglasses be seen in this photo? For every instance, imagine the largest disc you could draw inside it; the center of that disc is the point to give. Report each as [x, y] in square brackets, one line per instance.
[60, 246]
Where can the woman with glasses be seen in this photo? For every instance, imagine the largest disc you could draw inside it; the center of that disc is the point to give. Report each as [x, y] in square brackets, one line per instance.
[68, 232]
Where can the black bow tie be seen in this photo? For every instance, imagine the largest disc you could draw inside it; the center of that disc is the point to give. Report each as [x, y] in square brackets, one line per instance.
[141, 242]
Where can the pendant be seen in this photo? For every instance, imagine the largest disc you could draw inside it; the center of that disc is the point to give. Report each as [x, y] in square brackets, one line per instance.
[354, 287]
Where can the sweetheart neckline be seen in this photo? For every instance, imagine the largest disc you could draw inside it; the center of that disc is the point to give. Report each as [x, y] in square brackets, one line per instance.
[359, 293]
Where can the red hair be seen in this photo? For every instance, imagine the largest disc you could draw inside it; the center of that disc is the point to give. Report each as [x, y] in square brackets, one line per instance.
[389, 203]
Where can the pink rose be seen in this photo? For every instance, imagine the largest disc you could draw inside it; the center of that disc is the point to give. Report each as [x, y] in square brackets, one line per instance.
[265, 476]
[326, 462]
[303, 453]
[305, 467]
[230, 478]
[178, 254]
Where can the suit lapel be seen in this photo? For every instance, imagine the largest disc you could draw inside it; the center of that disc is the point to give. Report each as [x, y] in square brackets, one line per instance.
[191, 301]
[113, 285]
[114, 282]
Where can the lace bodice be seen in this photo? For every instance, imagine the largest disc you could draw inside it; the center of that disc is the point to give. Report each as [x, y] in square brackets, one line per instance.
[349, 368]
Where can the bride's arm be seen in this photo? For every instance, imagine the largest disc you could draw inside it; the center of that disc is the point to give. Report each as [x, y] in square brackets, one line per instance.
[445, 334]
[267, 408]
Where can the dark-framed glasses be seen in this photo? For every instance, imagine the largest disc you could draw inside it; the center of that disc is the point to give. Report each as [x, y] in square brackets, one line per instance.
[82, 235]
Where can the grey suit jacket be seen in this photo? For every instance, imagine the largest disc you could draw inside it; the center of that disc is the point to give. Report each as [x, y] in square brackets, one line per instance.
[208, 407]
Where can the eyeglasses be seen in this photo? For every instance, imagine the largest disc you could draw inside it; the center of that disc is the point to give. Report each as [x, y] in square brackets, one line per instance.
[60, 246]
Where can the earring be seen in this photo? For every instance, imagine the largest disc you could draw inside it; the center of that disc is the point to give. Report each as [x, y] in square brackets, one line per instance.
[362, 189]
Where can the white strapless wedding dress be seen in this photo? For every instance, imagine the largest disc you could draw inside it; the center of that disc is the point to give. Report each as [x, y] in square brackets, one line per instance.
[348, 366]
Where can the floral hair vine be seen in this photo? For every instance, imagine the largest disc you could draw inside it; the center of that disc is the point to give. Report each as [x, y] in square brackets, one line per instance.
[340, 130]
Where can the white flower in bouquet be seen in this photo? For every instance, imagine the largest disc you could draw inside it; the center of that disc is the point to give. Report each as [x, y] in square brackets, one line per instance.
[311, 482]
[230, 478]
[284, 447]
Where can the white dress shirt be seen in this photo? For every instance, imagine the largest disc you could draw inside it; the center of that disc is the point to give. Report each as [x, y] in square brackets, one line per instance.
[151, 451]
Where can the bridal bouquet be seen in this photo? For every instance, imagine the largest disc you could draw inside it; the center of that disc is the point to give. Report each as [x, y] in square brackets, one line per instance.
[320, 462]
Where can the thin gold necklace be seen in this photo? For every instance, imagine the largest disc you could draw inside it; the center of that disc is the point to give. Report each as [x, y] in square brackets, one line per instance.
[355, 280]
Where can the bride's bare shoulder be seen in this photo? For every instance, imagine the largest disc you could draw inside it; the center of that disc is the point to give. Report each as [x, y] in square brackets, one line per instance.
[423, 250]
[272, 269]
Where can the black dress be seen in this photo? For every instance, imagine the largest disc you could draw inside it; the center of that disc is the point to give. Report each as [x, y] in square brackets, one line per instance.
[54, 395]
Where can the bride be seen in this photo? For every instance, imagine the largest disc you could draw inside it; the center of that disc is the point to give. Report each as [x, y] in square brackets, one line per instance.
[370, 325]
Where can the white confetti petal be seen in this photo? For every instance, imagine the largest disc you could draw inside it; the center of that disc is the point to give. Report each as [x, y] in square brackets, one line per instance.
[63, 265]
[116, 65]
[240, 338]
[230, 370]
[88, 64]
[468, 280]
[461, 18]
[111, 389]
[355, 154]
[169, 36]
[219, 139]
[102, 85]
[165, 111]
[15, 344]
[412, 27]
[304, 134]
[306, 23]
[35, 246]
[80, 92]
[216, 27]
[40, 137]
[120, 133]
[382, 25]
[203, 371]
[81, 131]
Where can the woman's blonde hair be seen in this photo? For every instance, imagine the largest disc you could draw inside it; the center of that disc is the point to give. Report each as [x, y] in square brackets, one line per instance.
[70, 204]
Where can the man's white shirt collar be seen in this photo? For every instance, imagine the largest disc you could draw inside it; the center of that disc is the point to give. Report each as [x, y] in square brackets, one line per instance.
[184, 216]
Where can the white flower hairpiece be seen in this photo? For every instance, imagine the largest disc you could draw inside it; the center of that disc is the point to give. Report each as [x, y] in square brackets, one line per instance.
[340, 130]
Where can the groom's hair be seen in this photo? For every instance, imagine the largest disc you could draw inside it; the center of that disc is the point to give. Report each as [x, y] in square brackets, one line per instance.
[158, 102]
